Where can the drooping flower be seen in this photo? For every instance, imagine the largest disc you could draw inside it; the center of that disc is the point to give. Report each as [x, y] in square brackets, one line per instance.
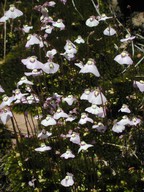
[32, 63]
[5, 115]
[50, 54]
[34, 73]
[49, 120]
[85, 95]
[84, 146]
[43, 148]
[69, 99]
[68, 154]
[92, 22]
[44, 134]
[1, 89]
[79, 40]
[24, 80]
[32, 40]
[118, 128]
[6, 101]
[90, 67]
[59, 24]
[128, 38]
[140, 85]
[109, 31]
[60, 114]
[68, 180]
[99, 127]
[97, 97]
[13, 12]
[123, 58]
[125, 109]
[50, 67]
[27, 28]
[84, 119]
[74, 138]
[95, 110]
[103, 17]
[124, 121]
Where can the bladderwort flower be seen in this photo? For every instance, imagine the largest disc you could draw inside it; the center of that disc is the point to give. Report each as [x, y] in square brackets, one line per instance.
[109, 31]
[125, 109]
[50, 67]
[97, 97]
[74, 138]
[135, 121]
[31, 99]
[124, 121]
[13, 12]
[1, 89]
[99, 127]
[63, 1]
[48, 29]
[140, 85]
[103, 17]
[84, 146]
[6, 101]
[50, 54]
[68, 154]
[80, 64]
[59, 24]
[95, 110]
[70, 48]
[5, 115]
[49, 120]
[71, 118]
[85, 95]
[69, 99]
[33, 40]
[68, 180]
[128, 37]
[84, 119]
[24, 80]
[43, 148]
[19, 95]
[79, 40]
[90, 67]
[44, 134]
[27, 28]
[92, 21]
[60, 114]
[3, 19]
[118, 128]
[32, 63]
[124, 58]
[34, 73]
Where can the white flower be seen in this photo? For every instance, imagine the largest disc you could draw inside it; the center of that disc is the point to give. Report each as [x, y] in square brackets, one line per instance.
[109, 31]
[70, 118]
[124, 109]
[44, 134]
[68, 180]
[80, 64]
[95, 110]
[59, 24]
[100, 127]
[3, 19]
[50, 67]
[123, 58]
[6, 101]
[33, 40]
[97, 97]
[103, 17]
[92, 22]
[140, 85]
[27, 28]
[79, 40]
[5, 115]
[43, 148]
[32, 63]
[75, 138]
[84, 119]
[60, 114]
[51, 53]
[135, 121]
[124, 121]
[24, 80]
[1, 89]
[68, 154]
[34, 73]
[118, 128]
[84, 146]
[13, 13]
[49, 120]
[127, 38]
[69, 99]
[90, 67]
[85, 95]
